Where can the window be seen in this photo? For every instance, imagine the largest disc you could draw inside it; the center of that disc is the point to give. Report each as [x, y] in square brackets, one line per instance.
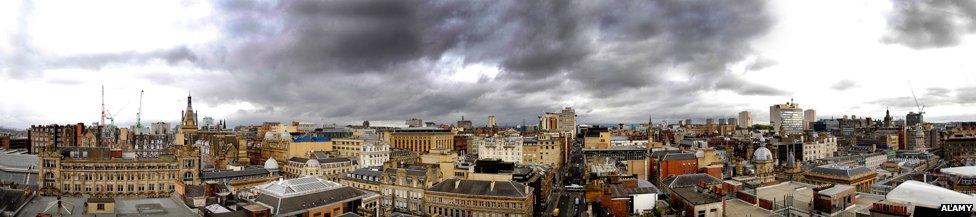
[101, 206]
[701, 213]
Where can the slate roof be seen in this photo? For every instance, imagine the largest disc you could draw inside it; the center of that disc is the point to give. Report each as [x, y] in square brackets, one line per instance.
[481, 187]
[679, 156]
[841, 171]
[11, 199]
[298, 159]
[410, 171]
[252, 171]
[686, 180]
[289, 205]
[620, 192]
[18, 162]
[365, 174]
[659, 154]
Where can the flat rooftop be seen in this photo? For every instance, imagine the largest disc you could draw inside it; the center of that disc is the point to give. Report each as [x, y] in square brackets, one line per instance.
[736, 207]
[162, 207]
[801, 192]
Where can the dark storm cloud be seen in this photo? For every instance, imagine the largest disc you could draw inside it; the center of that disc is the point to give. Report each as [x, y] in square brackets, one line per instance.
[930, 23]
[377, 59]
[352, 60]
[844, 85]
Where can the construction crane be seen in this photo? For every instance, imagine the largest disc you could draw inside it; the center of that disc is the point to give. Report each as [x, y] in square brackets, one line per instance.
[139, 114]
[919, 106]
[103, 106]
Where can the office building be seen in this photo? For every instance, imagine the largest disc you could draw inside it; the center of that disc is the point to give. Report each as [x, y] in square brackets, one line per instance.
[491, 122]
[913, 119]
[745, 119]
[809, 116]
[786, 119]
[414, 122]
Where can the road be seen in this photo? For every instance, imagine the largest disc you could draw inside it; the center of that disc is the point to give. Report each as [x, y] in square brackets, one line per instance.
[572, 173]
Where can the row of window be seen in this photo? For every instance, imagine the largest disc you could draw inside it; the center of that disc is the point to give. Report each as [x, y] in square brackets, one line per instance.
[116, 188]
[113, 176]
[477, 203]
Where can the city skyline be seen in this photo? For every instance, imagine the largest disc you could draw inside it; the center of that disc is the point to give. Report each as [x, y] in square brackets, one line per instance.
[346, 62]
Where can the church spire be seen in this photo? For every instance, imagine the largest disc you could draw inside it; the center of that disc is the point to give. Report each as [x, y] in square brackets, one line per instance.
[189, 116]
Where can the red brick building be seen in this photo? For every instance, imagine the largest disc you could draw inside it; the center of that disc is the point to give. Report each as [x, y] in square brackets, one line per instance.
[673, 164]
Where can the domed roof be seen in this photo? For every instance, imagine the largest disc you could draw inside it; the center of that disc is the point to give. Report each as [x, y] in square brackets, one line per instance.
[271, 164]
[762, 154]
[312, 163]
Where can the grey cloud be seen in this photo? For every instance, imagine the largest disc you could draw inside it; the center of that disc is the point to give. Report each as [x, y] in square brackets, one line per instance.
[97, 61]
[930, 23]
[22, 59]
[375, 59]
[761, 63]
[935, 96]
[966, 95]
[937, 92]
[845, 84]
[372, 58]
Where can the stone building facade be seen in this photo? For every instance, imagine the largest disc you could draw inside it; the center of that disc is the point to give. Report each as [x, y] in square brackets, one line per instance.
[422, 140]
[460, 197]
[98, 172]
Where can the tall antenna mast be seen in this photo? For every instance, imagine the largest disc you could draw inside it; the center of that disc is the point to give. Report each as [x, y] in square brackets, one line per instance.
[139, 115]
[103, 106]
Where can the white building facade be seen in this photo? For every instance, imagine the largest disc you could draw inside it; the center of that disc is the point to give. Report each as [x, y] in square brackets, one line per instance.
[821, 148]
[508, 149]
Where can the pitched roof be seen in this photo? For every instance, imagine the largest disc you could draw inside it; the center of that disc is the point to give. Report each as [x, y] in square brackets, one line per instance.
[686, 180]
[250, 171]
[481, 187]
[841, 170]
[679, 156]
[297, 186]
[288, 205]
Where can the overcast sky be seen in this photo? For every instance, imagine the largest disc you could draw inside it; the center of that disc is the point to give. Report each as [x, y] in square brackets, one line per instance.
[348, 61]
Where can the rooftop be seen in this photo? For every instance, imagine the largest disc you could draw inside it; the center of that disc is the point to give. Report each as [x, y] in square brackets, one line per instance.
[839, 170]
[247, 171]
[292, 205]
[123, 207]
[927, 195]
[686, 180]
[800, 191]
[742, 208]
[837, 189]
[16, 162]
[679, 156]
[960, 171]
[694, 197]
[482, 187]
[297, 186]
